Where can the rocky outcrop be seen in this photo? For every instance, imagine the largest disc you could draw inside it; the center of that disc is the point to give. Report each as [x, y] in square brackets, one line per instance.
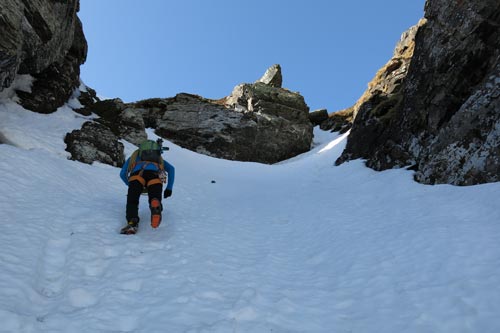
[371, 113]
[340, 121]
[443, 117]
[282, 130]
[258, 122]
[95, 142]
[201, 125]
[124, 121]
[265, 100]
[317, 117]
[272, 76]
[383, 90]
[87, 98]
[44, 39]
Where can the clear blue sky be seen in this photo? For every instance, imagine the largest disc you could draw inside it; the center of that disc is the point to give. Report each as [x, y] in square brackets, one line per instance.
[328, 50]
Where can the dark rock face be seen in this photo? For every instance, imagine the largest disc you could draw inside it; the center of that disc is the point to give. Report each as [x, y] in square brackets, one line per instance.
[200, 125]
[318, 116]
[44, 39]
[131, 125]
[99, 140]
[124, 121]
[444, 119]
[383, 91]
[460, 141]
[87, 98]
[95, 142]
[374, 110]
[282, 117]
[340, 121]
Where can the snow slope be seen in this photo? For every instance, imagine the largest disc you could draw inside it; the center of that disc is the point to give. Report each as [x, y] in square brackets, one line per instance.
[301, 246]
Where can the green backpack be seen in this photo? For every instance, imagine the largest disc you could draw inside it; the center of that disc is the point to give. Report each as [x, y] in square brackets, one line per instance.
[149, 151]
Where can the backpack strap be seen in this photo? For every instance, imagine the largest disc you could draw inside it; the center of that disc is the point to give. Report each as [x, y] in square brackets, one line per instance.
[141, 179]
[154, 181]
[132, 162]
[138, 177]
[160, 164]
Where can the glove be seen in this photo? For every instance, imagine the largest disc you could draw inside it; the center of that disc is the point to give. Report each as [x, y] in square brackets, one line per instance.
[167, 193]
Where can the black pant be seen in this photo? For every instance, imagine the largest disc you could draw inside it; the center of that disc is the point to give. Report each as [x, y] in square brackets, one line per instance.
[135, 189]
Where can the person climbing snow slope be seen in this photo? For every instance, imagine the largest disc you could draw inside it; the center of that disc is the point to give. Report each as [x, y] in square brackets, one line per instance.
[146, 171]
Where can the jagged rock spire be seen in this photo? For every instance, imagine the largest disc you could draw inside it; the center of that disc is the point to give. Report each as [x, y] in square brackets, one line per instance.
[272, 76]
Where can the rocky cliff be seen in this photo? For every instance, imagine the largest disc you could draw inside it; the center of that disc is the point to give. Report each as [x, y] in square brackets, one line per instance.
[44, 39]
[382, 91]
[436, 108]
[259, 122]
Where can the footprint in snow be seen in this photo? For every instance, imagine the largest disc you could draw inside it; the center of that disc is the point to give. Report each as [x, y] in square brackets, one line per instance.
[210, 295]
[111, 252]
[242, 308]
[52, 267]
[132, 285]
[95, 268]
[81, 298]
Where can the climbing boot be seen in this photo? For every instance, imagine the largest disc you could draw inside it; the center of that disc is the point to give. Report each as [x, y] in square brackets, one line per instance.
[131, 227]
[155, 207]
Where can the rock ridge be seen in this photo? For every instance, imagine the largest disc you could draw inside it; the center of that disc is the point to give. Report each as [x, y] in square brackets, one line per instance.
[443, 117]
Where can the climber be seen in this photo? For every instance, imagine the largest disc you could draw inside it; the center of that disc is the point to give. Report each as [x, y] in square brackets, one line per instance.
[145, 171]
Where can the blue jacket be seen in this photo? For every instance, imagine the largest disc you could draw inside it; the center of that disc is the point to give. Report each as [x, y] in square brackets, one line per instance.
[169, 168]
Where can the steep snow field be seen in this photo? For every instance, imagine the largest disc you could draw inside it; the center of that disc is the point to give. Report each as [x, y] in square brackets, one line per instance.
[301, 246]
